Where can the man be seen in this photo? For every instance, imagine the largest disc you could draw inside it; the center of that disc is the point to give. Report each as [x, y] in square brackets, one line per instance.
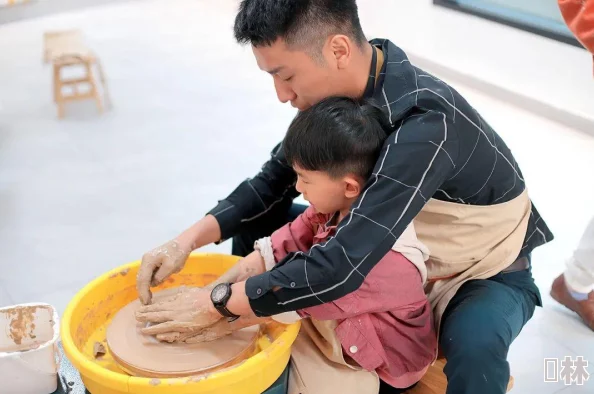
[442, 166]
[575, 287]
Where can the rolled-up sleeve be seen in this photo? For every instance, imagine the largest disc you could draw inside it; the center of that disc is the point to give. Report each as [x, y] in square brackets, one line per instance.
[414, 162]
[254, 197]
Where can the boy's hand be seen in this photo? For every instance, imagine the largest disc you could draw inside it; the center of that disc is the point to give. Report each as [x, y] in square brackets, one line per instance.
[160, 263]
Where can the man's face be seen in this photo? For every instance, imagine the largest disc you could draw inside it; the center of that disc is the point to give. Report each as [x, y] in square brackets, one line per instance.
[298, 78]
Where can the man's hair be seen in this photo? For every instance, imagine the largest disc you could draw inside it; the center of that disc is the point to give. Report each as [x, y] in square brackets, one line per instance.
[301, 23]
[338, 136]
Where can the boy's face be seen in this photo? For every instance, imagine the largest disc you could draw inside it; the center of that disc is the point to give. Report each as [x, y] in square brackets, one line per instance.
[326, 194]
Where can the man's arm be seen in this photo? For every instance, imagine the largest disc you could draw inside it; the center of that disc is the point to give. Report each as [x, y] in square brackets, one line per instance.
[254, 197]
[251, 199]
[413, 164]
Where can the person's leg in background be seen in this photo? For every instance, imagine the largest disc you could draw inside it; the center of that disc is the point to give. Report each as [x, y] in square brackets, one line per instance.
[575, 287]
[264, 226]
[478, 327]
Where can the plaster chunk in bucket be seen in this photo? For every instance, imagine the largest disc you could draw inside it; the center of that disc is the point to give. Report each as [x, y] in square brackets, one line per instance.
[28, 335]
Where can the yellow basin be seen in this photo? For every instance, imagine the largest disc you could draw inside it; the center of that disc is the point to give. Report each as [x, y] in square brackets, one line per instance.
[90, 312]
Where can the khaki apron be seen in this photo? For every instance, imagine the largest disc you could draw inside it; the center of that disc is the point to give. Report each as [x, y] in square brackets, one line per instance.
[469, 242]
[318, 365]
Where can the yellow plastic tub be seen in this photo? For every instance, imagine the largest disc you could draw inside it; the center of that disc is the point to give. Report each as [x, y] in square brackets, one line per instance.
[90, 312]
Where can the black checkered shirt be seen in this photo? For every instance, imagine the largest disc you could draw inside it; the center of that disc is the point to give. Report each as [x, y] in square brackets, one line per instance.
[440, 148]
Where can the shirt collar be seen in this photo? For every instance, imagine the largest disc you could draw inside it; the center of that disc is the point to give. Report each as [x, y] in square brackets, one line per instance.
[371, 80]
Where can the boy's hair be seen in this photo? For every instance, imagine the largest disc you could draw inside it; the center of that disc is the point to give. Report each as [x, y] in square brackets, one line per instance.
[338, 136]
[301, 23]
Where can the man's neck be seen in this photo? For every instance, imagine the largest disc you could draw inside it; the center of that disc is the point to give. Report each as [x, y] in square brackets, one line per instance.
[359, 75]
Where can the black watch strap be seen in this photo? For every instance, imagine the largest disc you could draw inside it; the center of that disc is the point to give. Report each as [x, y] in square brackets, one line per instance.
[227, 313]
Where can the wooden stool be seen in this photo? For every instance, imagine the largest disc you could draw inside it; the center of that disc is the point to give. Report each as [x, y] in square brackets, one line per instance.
[435, 381]
[65, 49]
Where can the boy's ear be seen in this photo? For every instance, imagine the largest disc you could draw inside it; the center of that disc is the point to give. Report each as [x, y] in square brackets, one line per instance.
[352, 187]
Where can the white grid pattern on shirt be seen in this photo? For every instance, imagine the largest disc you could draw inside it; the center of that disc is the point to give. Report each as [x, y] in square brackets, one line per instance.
[281, 198]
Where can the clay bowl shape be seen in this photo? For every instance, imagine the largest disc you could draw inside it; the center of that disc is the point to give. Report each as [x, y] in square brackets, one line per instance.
[89, 313]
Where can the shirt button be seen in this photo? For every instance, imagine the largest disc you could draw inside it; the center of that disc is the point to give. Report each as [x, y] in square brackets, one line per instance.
[353, 349]
[292, 284]
[259, 291]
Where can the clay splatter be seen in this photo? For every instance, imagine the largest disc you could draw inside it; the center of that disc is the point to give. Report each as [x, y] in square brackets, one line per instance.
[196, 379]
[22, 323]
[124, 272]
[154, 382]
[98, 350]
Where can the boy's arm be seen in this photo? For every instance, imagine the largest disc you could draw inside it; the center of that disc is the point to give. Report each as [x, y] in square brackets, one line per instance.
[295, 236]
[249, 266]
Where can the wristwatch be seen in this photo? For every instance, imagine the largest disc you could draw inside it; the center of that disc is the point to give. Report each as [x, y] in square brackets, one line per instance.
[219, 296]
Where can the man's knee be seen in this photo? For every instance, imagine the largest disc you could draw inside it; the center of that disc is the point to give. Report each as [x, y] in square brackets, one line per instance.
[475, 338]
[477, 331]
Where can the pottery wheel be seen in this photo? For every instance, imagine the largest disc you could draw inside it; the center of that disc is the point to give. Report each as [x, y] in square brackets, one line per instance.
[145, 356]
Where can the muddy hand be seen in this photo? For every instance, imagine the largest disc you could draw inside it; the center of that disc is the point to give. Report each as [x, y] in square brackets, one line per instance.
[187, 311]
[158, 264]
[218, 330]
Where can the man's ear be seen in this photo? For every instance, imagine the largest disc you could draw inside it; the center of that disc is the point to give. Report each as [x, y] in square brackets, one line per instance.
[352, 187]
[341, 48]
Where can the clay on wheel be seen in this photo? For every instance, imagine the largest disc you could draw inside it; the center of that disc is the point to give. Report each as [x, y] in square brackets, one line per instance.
[143, 355]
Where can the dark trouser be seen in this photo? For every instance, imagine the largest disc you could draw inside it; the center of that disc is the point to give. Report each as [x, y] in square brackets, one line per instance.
[478, 326]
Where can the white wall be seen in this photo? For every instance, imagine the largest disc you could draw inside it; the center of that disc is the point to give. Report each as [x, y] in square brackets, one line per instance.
[548, 77]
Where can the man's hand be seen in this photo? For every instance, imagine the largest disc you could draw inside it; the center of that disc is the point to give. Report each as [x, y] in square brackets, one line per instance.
[158, 264]
[188, 311]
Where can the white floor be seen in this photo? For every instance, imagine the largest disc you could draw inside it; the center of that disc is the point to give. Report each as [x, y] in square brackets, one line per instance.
[192, 117]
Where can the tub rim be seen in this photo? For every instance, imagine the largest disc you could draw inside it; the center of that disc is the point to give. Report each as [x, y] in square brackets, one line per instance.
[88, 369]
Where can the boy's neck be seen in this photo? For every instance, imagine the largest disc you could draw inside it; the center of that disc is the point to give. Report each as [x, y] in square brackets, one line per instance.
[342, 214]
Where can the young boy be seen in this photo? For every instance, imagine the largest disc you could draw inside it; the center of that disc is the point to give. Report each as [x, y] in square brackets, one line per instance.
[380, 337]
[385, 326]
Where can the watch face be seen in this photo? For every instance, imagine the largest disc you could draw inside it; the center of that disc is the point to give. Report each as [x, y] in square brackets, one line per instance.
[219, 293]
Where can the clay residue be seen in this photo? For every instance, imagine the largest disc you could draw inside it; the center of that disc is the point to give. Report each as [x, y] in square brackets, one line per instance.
[98, 350]
[208, 278]
[155, 382]
[124, 272]
[22, 323]
[204, 376]
[197, 378]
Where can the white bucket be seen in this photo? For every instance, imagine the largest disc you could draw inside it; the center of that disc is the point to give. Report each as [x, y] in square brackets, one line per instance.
[28, 349]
